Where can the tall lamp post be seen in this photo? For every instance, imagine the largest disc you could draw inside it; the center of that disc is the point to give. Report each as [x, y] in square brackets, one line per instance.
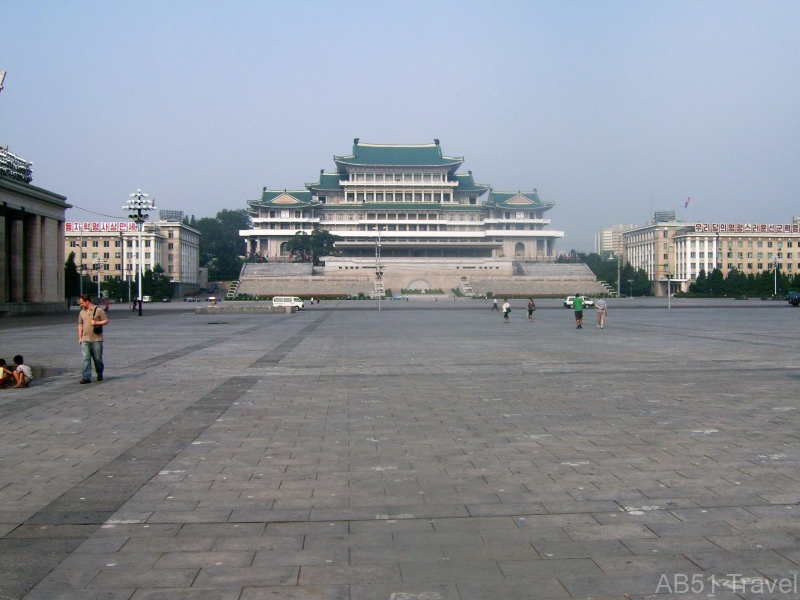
[775, 268]
[98, 266]
[379, 268]
[669, 289]
[138, 209]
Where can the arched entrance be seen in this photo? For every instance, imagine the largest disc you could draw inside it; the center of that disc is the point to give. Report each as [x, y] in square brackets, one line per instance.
[519, 250]
[419, 284]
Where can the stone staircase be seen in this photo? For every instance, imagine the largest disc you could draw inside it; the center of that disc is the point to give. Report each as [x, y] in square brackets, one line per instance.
[466, 287]
[378, 291]
[232, 290]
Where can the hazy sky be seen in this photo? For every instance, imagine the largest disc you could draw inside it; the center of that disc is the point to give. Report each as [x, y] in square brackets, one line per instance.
[609, 109]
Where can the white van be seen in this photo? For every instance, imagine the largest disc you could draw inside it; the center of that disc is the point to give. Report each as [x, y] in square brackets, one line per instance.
[287, 301]
[147, 299]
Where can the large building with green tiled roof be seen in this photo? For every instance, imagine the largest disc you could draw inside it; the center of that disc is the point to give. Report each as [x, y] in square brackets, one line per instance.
[413, 195]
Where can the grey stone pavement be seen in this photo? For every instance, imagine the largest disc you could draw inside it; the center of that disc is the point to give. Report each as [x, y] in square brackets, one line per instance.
[424, 452]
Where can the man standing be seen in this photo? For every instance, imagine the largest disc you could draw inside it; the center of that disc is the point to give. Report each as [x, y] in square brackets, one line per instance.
[577, 305]
[506, 310]
[602, 310]
[90, 338]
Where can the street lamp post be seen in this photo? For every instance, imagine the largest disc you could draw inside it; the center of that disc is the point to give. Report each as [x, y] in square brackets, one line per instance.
[379, 268]
[98, 266]
[138, 209]
[775, 268]
[669, 289]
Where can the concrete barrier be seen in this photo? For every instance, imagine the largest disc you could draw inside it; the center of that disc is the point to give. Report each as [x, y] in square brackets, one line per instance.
[228, 309]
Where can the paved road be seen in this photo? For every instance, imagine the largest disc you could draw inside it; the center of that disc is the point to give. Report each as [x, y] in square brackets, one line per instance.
[427, 451]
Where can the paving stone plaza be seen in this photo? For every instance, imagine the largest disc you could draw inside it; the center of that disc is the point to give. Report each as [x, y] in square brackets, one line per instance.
[424, 452]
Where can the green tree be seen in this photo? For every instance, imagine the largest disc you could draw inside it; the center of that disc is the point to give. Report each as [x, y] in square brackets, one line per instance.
[308, 248]
[156, 284]
[72, 279]
[220, 242]
[716, 282]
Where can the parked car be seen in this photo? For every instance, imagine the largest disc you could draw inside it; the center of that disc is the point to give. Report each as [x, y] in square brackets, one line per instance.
[793, 297]
[399, 297]
[190, 299]
[166, 300]
[147, 298]
[291, 301]
[570, 302]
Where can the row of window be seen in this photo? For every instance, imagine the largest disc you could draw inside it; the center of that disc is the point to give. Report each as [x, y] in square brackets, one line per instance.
[402, 197]
[418, 177]
[334, 216]
[130, 244]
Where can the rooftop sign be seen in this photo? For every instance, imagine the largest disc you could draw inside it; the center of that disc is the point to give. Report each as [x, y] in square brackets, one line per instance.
[99, 226]
[747, 228]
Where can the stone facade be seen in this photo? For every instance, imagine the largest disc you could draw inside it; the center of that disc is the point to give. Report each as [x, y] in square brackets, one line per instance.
[31, 249]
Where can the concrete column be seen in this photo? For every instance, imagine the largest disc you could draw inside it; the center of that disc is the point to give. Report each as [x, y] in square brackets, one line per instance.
[33, 258]
[17, 258]
[61, 290]
[3, 259]
[50, 260]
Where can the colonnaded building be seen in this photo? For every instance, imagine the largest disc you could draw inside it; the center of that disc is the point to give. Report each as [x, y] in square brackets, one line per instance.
[674, 252]
[31, 242]
[435, 227]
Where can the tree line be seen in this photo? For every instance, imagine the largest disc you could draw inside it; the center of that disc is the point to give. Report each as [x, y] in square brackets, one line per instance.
[737, 283]
[634, 282]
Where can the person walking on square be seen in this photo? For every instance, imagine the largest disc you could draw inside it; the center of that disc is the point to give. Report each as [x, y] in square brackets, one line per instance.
[506, 310]
[23, 373]
[531, 308]
[494, 305]
[602, 311]
[90, 338]
[577, 306]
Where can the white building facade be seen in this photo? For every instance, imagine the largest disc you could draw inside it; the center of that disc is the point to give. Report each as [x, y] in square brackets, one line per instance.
[674, 253]
[110, 250]
[414, 197]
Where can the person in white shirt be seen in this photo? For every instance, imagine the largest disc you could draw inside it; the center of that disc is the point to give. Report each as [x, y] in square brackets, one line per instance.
[602, 310]
[506, 310]
[23, 373]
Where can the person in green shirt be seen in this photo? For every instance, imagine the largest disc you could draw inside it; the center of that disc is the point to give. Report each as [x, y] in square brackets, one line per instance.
[577, 305]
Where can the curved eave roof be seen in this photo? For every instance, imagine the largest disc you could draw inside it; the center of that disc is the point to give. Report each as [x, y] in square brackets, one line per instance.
[386, 155]
[517, 200]
[467, 184]
[284, 199]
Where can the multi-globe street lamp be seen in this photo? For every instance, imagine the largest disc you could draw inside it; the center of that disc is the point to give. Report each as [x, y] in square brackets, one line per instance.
[138, 209]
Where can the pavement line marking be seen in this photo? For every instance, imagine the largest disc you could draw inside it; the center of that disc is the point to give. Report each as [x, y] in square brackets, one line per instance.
[70, 521]
[281, 351]
[26, 403]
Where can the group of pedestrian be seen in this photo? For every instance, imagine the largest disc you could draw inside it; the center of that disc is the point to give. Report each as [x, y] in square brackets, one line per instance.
[19, 377]
[578, 303]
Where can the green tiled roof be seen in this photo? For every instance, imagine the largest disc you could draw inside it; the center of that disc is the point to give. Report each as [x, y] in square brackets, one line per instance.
[517, 200]
[284, 199]
[327, 181]
[467, 184]
[387, 155]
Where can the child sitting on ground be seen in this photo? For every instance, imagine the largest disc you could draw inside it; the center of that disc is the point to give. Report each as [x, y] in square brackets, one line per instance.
[22, 374]
[6, 374]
